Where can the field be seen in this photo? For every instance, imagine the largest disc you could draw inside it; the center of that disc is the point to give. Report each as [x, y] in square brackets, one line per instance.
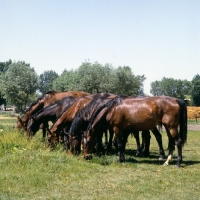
[30, 171]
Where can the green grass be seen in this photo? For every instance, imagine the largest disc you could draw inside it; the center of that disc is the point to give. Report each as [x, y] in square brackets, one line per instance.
[30, 171]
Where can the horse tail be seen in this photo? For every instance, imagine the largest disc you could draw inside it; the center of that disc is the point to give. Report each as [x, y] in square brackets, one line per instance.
[183, 120]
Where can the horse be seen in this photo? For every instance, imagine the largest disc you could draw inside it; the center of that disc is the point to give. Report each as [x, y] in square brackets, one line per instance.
[67, 117]
[82, 120]
[43, 101]
[126, 114]
[49, 113]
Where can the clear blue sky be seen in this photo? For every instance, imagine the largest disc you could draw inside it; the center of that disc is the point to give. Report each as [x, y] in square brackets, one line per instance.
[156, 38]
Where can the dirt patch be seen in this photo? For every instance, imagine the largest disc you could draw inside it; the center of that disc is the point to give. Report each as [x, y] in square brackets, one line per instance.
[195, 127]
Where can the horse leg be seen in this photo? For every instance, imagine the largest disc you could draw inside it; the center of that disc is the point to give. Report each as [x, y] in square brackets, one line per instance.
[120, 146]
[179, 149]
[146, 142]
[45, 125]
[125, 139]
[106, 137]
[158, 137]
[137, 139]
[171, 149]
[111, 134]
[99, 145]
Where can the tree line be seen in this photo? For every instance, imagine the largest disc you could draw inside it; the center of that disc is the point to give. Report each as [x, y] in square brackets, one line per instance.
[20, 85]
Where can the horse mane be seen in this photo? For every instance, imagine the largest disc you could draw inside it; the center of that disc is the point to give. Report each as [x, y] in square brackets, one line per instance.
[86, 111]
[52, 92]
[107, 107]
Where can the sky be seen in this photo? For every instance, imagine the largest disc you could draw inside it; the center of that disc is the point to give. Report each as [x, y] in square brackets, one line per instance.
[155, 38]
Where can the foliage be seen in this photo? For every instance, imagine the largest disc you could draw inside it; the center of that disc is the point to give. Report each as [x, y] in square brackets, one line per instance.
[19, 83]
[196, 90]
[5, 65]
[171, 87]
[127, 83]
[45, 81]
[94, 78]
[3, 68]
[67, 81]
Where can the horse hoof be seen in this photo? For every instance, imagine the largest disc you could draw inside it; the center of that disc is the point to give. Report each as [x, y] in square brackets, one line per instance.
[165, 164]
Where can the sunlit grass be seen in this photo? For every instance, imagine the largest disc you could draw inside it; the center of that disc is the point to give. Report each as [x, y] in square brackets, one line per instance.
[30, 171]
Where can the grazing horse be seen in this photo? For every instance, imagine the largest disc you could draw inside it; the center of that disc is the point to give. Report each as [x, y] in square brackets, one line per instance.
[126, 114]
[49, 113]
[67, 117]
[43, 101]
[82, 120]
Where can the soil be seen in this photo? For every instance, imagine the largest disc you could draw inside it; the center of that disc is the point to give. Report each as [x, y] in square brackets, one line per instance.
[194, 127]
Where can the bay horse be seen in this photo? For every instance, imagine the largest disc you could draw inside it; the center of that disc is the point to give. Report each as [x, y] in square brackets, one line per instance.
[43, 101]
[82, 120]
[67, 117]
[48, 113]
[126, 114]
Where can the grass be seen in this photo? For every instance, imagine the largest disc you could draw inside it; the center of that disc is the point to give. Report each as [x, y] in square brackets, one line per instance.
[30, 171]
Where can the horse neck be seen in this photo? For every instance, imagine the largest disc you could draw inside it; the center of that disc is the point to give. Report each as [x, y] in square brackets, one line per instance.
[35, 108]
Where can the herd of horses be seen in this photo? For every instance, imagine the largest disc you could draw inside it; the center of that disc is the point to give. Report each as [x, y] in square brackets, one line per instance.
[80, 119]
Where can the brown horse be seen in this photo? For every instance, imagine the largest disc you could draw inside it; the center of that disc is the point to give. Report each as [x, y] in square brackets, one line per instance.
[82, 120]
[43, 101]
[126, 114]
[67, 117]
[49, 113]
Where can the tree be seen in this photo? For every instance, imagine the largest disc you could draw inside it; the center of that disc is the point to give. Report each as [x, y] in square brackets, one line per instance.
[3, 68]
[195, 94]
[171, 87]
[127, 83]
[66, 81]
[5, 65]
[45, 81]
[20, 83]
[94, 78]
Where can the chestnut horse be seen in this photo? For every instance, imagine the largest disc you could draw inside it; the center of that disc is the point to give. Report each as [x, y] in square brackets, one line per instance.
[127, 114]
[43, 101]
[67, 117]
[82, 120]
[49, 113]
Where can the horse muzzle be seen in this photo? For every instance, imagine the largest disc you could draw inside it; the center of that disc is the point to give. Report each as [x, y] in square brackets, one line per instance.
[88, 157]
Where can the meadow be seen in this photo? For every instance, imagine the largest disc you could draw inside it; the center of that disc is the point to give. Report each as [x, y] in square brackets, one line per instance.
[30, 171]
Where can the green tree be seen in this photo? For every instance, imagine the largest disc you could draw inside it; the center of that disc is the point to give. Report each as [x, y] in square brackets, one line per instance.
[20, 83]
[3, 68]
[90, 77]
[171, 87]
[66, 81]
[45, 81]
[5, 65]
[127, 83]
[195, 94]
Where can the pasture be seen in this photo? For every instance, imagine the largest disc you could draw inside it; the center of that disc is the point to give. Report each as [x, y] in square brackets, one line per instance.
[30, 171]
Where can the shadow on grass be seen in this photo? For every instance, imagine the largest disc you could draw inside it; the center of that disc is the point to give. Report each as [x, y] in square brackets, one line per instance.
[130, 157]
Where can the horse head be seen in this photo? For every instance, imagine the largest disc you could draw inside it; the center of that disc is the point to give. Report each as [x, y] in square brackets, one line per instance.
[20, 124]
